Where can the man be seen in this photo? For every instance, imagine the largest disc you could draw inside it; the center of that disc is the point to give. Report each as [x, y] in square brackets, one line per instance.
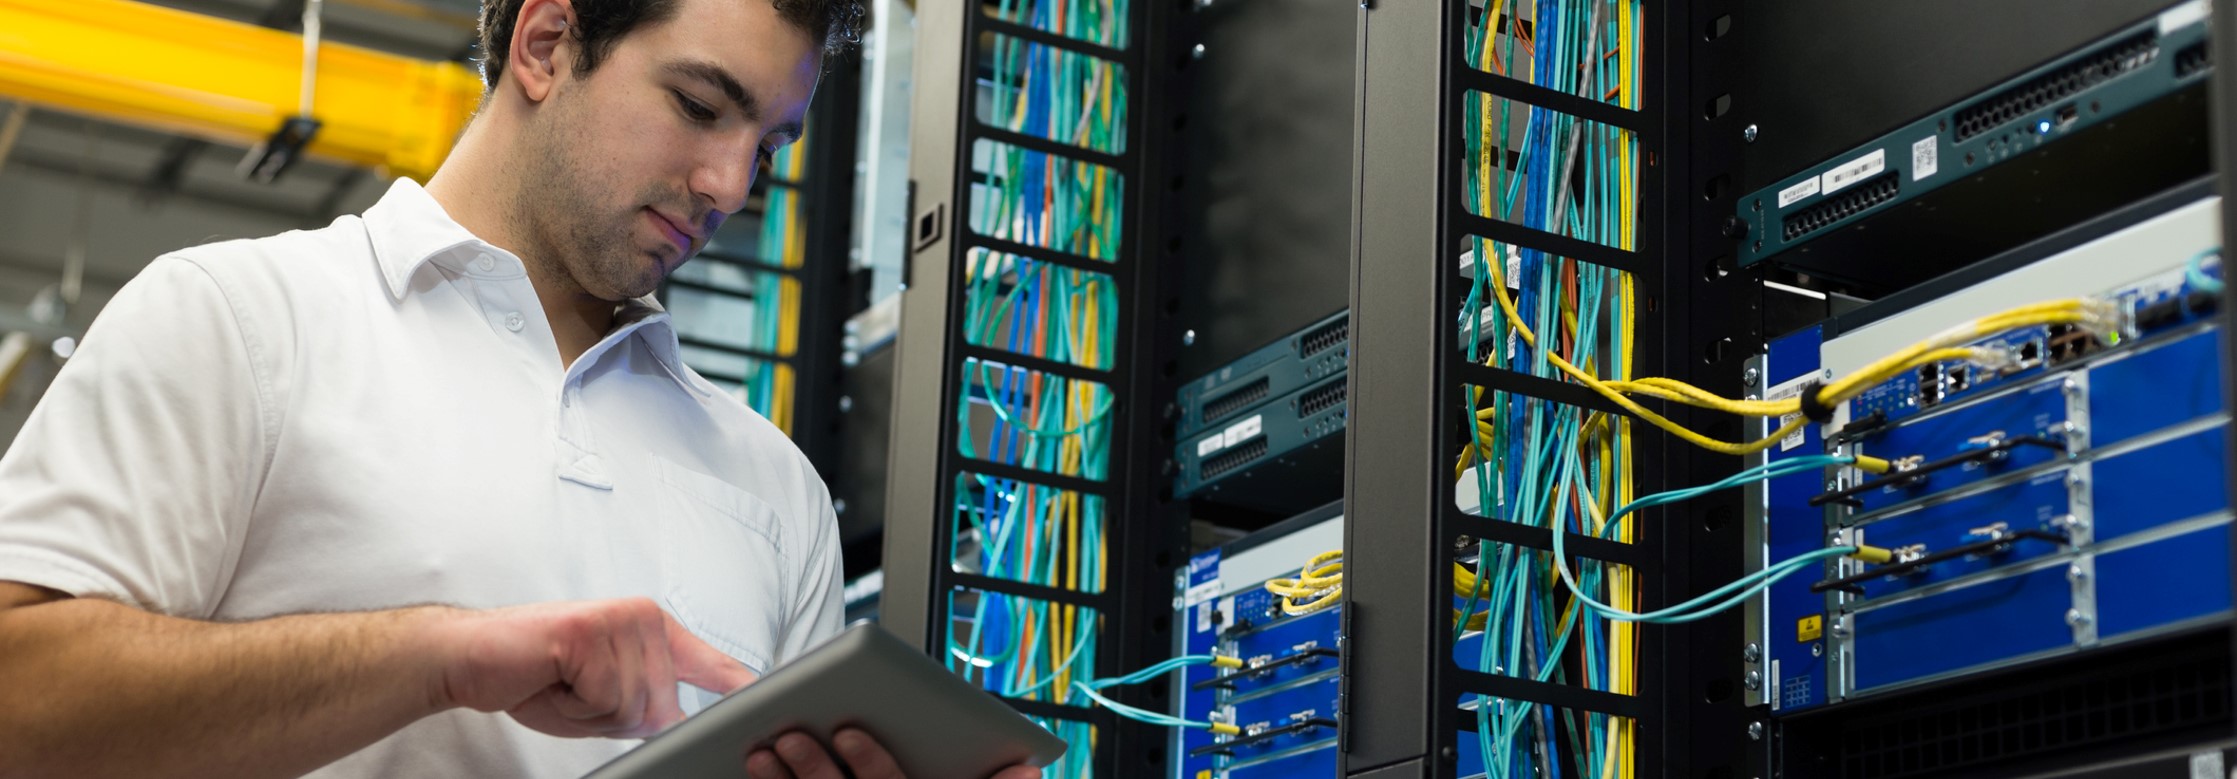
[219, 528]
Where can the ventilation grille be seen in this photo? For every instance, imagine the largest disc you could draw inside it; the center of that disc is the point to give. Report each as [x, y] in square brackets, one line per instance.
[1235, 400]
[1879, 189]
[2041, 91]
[1237, 457]
[1320, 400]
[1328, 336]
[2192, 59]
[2171, 693]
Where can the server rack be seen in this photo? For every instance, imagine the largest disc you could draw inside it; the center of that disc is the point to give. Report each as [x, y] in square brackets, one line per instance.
[1402, 683]
[1146, 534]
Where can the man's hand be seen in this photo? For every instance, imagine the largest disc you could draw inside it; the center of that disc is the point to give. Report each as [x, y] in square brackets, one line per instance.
[797, 756]
[593, 668]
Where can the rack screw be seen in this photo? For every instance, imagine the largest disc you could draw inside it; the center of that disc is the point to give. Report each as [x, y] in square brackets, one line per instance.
[1198, 52]
[846, 403]
[1749, 376]
[1753, 653]
[1755, 731]
[1748, 134]
[2077, 618]
[1753, 680]
[1189, 338]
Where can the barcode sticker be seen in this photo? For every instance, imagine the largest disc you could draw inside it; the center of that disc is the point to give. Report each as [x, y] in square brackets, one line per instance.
[1210, 444]
[2206, 764]
[1791, 389]
[1241, 431]
[2182, 16]
[1856, 170]
[1796, 193]
[1925, 157]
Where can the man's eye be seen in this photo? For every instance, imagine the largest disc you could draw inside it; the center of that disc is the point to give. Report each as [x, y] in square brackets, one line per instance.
[694, 109]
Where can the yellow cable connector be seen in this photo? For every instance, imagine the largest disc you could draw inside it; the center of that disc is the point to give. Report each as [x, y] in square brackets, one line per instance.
[1221, 661]
[1225, 729]
[1870, 464]
[1874, 554]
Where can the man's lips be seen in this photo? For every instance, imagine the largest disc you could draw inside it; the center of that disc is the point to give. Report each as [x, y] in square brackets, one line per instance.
[683, 239]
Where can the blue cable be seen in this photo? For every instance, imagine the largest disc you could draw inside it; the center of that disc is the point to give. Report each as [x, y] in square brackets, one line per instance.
[2195, 273]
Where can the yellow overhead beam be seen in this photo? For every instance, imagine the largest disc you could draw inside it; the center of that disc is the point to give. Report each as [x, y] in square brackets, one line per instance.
[227, 81]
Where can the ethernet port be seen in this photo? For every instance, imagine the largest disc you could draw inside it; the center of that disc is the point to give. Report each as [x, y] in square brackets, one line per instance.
[2067, 115]
[2031, 354]
[1958, 379]
[2068, 343]
[1930, 385]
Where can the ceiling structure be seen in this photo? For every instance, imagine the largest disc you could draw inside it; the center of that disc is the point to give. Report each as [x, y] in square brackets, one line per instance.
[99, 200]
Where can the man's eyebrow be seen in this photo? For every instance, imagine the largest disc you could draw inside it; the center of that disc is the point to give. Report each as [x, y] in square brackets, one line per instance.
[789, 132]
[720, 79]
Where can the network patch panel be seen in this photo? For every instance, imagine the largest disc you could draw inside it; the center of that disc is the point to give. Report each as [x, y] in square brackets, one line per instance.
[2094, 85]
[1302, 430]
[2065, 490]
[1276, 370]
[1296, 427]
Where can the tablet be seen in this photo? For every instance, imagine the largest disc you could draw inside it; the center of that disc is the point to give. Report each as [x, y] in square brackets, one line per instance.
[935, 723]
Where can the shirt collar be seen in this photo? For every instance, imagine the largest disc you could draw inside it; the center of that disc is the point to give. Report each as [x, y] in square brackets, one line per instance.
[657, 331]
[409, 229]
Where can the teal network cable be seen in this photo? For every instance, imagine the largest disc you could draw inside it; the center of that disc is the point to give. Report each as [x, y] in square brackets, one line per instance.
[1732, 594]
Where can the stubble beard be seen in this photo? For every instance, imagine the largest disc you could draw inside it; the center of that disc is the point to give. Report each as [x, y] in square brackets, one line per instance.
[570, 235]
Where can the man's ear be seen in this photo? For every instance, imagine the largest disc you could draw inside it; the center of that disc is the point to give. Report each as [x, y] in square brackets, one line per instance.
[543, 43]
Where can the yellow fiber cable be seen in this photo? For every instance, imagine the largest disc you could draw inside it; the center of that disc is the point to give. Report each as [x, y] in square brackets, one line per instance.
[2064, 311]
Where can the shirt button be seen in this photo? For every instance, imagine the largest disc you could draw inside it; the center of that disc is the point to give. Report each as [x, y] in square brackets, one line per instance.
[513, 322]
[486, 264]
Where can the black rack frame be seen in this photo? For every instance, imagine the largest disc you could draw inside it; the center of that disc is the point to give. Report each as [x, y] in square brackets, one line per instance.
[1145, 532]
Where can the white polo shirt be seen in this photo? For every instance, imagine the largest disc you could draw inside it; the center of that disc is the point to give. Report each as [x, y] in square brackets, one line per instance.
[373, 415]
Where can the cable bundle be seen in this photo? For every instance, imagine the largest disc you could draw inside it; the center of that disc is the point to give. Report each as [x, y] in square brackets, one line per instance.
[1555, 173]
[768, 386]
[1013, 529]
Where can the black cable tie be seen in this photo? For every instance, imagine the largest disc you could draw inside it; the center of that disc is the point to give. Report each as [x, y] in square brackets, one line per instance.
[1811, 409]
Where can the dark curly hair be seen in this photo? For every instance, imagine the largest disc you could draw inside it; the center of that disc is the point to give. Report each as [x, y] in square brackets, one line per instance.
[599, 24]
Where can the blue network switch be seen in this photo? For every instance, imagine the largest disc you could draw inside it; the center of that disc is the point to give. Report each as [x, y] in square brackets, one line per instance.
[2075, 497]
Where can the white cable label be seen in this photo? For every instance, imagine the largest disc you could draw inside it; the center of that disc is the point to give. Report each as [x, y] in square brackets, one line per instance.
[1925, 157]
[1793, 194]
[1857, 170]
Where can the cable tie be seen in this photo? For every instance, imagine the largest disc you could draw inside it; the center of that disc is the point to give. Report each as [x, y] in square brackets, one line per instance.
[1812, 409]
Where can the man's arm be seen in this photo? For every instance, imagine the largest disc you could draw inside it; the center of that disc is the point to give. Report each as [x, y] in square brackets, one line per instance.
[97, 688]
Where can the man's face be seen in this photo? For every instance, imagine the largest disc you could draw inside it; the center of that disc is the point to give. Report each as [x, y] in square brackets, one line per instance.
[637, 162]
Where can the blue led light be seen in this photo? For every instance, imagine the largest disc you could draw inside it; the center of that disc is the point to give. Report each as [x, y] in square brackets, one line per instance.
[2043, 127]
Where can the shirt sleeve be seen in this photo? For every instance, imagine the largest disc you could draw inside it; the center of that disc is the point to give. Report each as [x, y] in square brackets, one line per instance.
[819, 608]
[134, 477]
